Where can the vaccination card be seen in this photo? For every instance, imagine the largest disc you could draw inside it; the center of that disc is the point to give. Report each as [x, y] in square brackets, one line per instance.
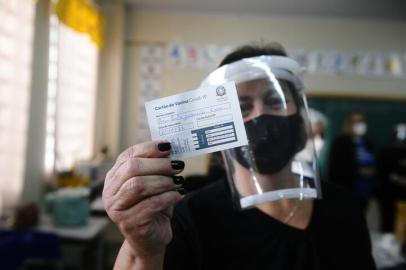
[198, 122]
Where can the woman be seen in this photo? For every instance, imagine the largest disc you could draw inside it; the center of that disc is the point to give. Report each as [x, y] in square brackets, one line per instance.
[204, 230]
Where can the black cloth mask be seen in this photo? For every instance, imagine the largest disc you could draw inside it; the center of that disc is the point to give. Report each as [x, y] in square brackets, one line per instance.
[273, 141]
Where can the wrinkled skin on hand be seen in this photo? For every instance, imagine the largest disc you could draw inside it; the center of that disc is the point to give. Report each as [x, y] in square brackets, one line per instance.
[139, 194]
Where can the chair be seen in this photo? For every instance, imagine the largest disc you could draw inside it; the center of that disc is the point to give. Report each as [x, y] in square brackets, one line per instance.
[20, 249]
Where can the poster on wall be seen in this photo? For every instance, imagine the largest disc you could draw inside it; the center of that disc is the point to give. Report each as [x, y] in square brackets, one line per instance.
[355, 63]
[204, 57]
[150, 85]
[319, 61]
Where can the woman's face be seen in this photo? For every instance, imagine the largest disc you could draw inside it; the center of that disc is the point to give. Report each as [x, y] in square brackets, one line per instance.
[273, 126]
[358, 125]
[262, 96]
[357, 118]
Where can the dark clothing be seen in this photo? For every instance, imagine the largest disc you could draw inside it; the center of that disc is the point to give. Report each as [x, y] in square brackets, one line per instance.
[391, 166]
[209, 234]
[344, 166]
[365, 159]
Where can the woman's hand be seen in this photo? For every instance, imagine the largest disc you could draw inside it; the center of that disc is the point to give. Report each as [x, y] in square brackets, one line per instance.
[139, 194]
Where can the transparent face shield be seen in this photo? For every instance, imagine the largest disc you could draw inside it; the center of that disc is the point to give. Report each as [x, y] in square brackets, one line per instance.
[274, 110]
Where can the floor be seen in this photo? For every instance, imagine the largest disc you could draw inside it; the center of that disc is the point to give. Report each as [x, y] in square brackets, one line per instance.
[372, 216]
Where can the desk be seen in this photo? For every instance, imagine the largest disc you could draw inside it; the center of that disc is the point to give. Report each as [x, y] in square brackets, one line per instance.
[84, 233]
[97, 207]
[386, 250]
[88, 235]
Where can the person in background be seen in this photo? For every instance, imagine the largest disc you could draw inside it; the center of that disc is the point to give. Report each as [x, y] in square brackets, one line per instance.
[352, 161]
[215, 172]
[392, 176]
[202, 230]
[319, 126]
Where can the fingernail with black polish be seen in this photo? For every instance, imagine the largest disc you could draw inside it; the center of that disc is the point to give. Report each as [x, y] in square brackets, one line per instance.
[178, 180]
[177, 164]
[165, 146]
[181, 191]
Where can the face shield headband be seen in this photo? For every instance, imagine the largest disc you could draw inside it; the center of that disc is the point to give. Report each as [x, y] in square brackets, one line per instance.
[265, 66]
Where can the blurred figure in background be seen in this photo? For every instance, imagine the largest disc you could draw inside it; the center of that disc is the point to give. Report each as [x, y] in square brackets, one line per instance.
[319, 126]
[392, 176]
[216, 169]
[352, 160]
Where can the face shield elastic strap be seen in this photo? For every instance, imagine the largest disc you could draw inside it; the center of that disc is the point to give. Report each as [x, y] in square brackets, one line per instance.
[259, 67]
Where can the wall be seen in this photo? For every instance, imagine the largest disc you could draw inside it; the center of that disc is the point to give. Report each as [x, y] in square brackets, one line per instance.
[35, 153]
[146, 26]
[110, 78]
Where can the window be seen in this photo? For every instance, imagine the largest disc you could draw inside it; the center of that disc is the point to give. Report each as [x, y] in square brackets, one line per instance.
[73, 61]
[16, 43]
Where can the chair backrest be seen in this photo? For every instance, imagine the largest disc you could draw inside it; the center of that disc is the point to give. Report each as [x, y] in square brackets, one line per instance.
[18, 247]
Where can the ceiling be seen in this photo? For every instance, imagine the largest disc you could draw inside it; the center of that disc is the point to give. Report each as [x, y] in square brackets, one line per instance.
[393, 10]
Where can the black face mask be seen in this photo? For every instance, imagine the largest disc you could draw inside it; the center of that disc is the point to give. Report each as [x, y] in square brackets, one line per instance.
[273, 141]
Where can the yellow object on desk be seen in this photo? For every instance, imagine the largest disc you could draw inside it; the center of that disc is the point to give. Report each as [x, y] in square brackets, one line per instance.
[400, 222]
[69, 179]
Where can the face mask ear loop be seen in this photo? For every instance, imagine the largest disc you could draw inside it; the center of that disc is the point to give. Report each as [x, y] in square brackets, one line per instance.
[299, 200]
[255, 180]
[301, 179]
[293, 211]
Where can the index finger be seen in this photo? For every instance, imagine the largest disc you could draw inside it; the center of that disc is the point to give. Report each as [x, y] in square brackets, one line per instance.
[150, 149]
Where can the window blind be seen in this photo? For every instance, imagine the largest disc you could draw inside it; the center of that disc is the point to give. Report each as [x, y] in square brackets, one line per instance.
[16, 43]
[71, 97]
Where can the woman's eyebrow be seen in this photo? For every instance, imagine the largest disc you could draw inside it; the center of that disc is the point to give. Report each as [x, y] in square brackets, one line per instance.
[245, 98]
[271, 93]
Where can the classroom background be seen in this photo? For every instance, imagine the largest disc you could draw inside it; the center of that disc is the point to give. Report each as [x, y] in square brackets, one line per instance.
[75, 74]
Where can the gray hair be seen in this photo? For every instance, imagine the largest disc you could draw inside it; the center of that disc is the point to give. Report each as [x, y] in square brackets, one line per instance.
[317, 117]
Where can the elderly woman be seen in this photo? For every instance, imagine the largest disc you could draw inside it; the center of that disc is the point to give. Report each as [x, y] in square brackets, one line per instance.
[267, 216]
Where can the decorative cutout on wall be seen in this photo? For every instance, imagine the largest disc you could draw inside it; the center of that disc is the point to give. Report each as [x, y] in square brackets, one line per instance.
[352, 63]
[150, 85]
[355, 63]
[204, 57]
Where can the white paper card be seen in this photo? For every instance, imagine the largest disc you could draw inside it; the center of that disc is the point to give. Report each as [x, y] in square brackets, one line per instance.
[198, 122]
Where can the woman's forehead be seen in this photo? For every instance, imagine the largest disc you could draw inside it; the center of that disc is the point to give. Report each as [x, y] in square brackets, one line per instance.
[258, 86]
[356, 117]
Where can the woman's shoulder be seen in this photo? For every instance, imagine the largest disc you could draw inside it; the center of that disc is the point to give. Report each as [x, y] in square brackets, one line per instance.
[338, 204]
[334, 195]
[333, 191]
[342, 139]
[214, 196]
[217, 195]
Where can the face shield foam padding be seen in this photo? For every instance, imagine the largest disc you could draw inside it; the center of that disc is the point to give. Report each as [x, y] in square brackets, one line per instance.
[277, 127]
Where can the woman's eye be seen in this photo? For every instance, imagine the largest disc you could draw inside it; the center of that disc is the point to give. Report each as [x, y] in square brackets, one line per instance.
[276, 103]
[246, 108]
